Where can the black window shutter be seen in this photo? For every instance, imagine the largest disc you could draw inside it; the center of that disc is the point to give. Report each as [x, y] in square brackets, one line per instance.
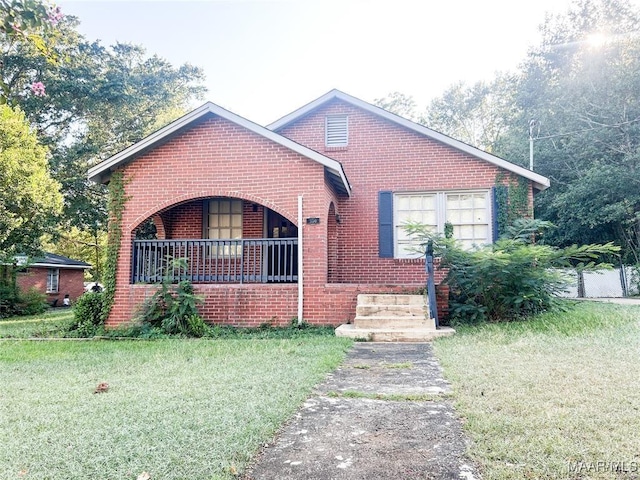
[385, 224]
[495, 213]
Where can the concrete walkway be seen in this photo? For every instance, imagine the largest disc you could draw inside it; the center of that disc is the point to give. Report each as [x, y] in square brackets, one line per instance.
[618, 300]
[384, 414]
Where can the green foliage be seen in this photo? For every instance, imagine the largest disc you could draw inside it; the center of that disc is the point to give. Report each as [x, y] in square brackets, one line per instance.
[13, 302]
[512, 198]
[173, 309]
[31, 302]
[25, 23]
[478, 114]
[117, 199]
[399, 104]
[510, 279]
[29, 197]
[88, 314]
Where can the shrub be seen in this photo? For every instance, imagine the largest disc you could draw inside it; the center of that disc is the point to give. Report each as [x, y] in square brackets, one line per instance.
[31, 302]
[87, 314]
[14, 302]
[174, 310]
[511, 278]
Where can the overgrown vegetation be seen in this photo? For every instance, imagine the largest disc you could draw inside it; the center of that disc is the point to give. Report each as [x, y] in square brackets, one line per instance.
[539, 398]
[88, 315]
[13, 301]
[510, 279]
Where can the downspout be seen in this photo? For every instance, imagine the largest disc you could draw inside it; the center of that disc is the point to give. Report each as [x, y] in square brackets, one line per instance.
[300, 259]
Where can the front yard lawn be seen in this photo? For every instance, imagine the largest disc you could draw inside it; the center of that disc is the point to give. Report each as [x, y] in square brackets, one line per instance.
[174, 408]
[553, 397]
[47, 324]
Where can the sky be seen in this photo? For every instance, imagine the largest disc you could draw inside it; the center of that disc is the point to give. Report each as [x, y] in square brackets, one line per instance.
[265, 58]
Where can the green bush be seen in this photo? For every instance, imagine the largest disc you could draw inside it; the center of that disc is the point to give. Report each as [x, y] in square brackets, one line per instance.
[32, 302]
[174, 310]
[88, 315]
[510, 279]
[14, 302]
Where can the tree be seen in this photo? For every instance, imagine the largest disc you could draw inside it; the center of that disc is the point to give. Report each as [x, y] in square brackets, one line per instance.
[399, 104]
[586, 98]
[480, 114]
[98, 100]
[24, 22]
[29, 197]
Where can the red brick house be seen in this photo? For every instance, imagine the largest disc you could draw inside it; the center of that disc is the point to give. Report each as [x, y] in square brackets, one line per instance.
[299, 217]
[55, 276]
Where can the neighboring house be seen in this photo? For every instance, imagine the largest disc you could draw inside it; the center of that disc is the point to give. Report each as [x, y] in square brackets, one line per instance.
[55, 276]
[299, 217]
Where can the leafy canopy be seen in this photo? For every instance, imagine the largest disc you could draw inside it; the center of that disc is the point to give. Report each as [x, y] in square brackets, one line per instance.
[29, 197]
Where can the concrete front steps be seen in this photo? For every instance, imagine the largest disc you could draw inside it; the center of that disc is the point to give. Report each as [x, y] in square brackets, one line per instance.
[392, 318]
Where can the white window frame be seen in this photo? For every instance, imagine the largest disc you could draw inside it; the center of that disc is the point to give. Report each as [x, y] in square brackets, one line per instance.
[53, 280]
[440, 215]
[343, 138]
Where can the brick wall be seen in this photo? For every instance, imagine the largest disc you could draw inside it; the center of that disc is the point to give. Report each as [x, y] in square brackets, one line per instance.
[382, 155]
[71, 281]
[217, 158]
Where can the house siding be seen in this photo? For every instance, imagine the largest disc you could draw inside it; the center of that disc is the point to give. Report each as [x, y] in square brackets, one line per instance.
[383, 156]
[71, 282]
[217, 158]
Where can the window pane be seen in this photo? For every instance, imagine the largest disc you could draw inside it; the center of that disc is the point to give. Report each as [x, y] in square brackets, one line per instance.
[213, 220]
[225, 206]
[466, 216]
[213, 206]
[236, 221]
[236, 206]
[225, 220]
[480, 200]
[466, 201]
[224, 233]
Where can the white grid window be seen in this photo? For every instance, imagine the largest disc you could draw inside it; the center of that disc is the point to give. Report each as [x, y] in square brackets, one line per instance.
[224, 222]
[336, 130]
[468, 213]
[53, 280]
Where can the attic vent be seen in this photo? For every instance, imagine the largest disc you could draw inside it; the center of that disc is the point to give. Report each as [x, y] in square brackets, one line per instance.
[337, 131]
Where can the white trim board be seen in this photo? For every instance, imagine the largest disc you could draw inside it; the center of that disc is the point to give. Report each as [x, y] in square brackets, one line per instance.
[539, 182]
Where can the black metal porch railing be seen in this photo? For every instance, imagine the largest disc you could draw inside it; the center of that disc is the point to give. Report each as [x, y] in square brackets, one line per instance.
[260, 260]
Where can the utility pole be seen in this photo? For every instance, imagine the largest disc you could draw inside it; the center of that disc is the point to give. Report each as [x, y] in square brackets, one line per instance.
[533, 123]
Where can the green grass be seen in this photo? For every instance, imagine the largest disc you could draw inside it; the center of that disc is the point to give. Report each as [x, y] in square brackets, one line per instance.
[47, 324]
[542, 398]
[175, 408]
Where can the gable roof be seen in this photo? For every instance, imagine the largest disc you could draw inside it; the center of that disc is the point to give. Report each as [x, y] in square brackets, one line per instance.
[101, 172]
[51, 260]
[540, 182]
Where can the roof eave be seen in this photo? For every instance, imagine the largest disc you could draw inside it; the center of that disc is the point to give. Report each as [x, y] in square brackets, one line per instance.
[99, 173]
[539, 182]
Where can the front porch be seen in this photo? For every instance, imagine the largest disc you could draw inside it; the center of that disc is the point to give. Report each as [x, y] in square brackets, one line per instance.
[245, 260]
[215, 240]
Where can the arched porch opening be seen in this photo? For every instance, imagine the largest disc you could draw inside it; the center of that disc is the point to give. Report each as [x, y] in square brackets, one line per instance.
[215, 240]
